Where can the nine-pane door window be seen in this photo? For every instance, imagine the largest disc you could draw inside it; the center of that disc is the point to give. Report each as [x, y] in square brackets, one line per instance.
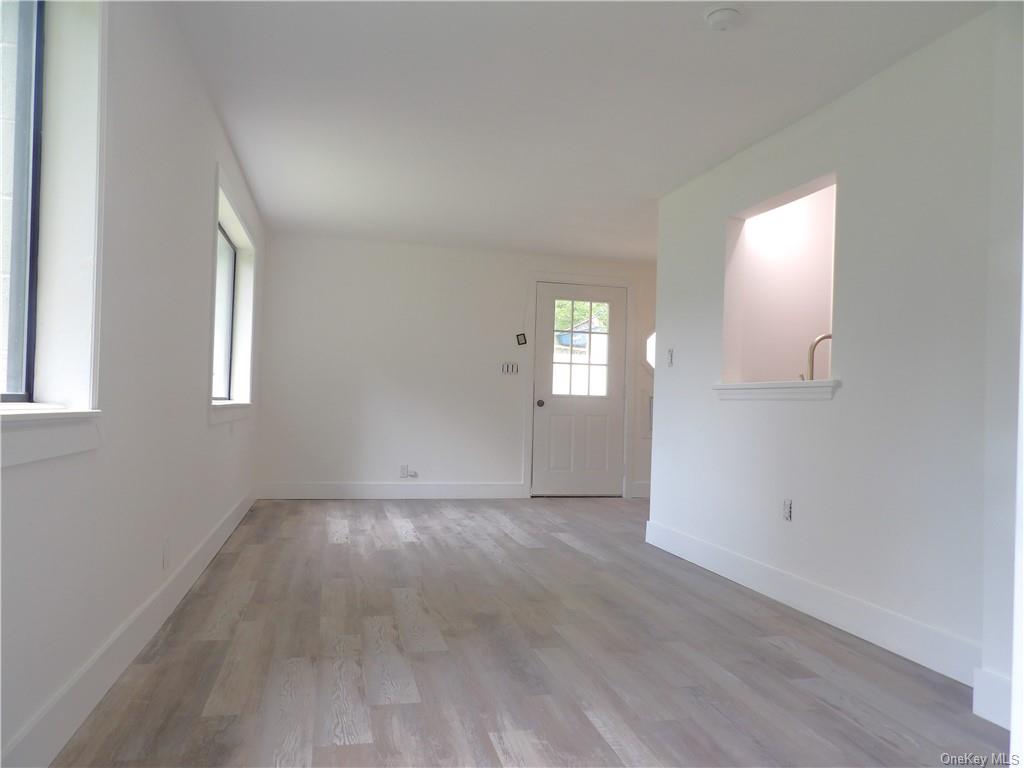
[580, 364]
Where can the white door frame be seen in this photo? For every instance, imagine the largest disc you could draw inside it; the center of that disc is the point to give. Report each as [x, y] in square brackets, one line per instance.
[1017, 651]
[632, 361]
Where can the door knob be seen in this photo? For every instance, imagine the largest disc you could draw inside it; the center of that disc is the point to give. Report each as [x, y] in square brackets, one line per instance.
[540, 403]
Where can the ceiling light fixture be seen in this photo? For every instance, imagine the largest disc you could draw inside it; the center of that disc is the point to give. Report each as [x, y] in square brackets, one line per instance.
[721, 17]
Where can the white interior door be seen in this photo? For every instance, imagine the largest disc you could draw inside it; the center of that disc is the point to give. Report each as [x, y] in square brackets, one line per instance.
[579, 390]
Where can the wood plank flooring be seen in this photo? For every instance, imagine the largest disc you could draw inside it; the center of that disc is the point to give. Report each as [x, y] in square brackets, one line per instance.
[512, 633]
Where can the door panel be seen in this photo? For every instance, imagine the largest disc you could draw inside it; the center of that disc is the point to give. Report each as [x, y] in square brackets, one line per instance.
[597, 442]
[579, 376]
[560, 442]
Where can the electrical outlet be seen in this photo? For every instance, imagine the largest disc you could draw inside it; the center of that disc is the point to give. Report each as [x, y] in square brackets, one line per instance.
[403, 471]
[787, 510]
[671, 358]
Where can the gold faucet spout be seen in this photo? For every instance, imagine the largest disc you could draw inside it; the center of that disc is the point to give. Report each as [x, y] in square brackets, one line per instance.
[810, 354]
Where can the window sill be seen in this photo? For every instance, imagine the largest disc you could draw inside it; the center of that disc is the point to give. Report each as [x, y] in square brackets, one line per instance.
[222, 411]
[21, 413]
[819, 389]
[39, 431]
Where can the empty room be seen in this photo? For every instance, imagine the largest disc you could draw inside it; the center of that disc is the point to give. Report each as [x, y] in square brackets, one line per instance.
[511, 384]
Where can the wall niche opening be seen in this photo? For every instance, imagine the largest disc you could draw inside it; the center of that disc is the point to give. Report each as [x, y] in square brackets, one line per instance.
[779, 268]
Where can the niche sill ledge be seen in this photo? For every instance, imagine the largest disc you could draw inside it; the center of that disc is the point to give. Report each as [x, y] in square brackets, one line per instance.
[819, 389]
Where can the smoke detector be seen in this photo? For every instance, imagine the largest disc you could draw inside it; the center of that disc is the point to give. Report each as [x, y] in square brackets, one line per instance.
[721, 17]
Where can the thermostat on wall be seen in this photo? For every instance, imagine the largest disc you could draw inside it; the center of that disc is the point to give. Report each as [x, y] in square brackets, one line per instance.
[520, 339]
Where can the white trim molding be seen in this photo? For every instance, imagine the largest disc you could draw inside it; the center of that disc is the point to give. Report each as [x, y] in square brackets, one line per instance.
[640, 489]
[222, 411]
[42, 737]
[342, 489]
[935, 648]
[35, 435]
[818, 389]
[29, 413]
[992, 696]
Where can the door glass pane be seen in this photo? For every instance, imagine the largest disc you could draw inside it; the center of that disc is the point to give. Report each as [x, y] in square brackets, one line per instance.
[580, 347]
[223, 312]
[600, 321]
[563, 314]
[562, 348]
[559, 379]
[599, 348]
[581, 315]
[579, 379]
[598, 380]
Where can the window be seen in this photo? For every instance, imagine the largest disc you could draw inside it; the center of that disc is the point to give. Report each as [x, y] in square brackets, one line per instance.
[234, 288]
[223, 315]
[580, 364]
[21, 39]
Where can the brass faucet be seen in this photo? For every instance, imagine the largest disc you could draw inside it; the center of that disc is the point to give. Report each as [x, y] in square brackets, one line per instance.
[810, 354]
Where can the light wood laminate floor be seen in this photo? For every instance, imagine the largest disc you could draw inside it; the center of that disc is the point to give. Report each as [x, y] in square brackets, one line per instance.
[528, 633]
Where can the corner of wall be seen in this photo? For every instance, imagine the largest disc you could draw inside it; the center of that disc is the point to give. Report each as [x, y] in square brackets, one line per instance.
[992, 696]
[40, 739]
[929, 646]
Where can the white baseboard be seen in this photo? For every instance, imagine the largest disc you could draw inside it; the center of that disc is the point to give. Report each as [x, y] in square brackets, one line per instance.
[42, 737]
[640, 490]
[407, 490]
[992, 696]
[929, 646]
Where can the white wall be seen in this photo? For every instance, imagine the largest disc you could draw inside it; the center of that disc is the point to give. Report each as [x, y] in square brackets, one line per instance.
[890, 480]
[381, 354]
[778, 290]
[84, 535]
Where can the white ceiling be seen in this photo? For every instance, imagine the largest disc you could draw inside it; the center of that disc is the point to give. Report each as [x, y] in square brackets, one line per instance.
[545, 127]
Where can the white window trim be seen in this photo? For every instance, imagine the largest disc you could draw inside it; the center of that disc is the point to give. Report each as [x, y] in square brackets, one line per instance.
[222, 411]
[71, 205]
[244, 310]
[65, 419]
[37, 431]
